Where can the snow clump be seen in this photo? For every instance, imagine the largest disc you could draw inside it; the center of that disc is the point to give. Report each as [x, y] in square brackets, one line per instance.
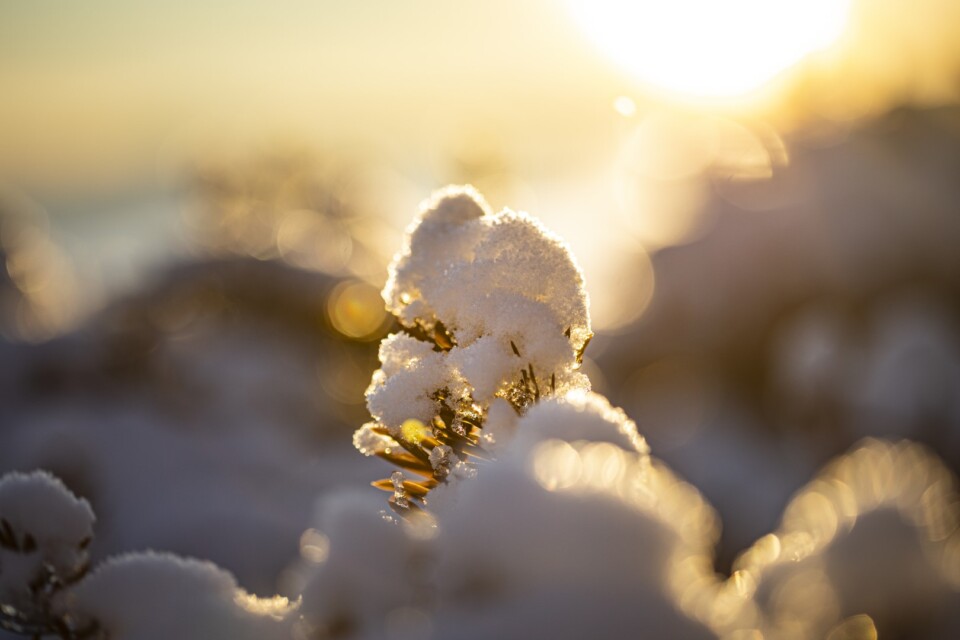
[489, 302]
[44, 534]
[873, 539]
[371, 568]
[494, 317]
[574, 532]
[153, 596]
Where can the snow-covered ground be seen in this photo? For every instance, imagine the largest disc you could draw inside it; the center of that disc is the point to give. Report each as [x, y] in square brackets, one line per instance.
[210, 413]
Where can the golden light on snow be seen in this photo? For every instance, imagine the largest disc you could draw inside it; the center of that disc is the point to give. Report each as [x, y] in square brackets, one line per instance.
[275, 606]
[901, 478]
[603, 465]
[709, 49]
[556, 465]
[638, 482]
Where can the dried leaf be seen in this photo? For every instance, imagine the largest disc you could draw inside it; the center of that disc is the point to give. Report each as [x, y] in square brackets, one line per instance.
[583, 348]
[415, 489]
[386, 484]
[408, 462]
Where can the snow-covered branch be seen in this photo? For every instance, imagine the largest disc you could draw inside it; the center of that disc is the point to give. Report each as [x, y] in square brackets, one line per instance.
[495, 318]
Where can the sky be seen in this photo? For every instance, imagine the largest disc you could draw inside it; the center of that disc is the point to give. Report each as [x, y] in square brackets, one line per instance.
[107, 79]
[108, 108]
[98, 92]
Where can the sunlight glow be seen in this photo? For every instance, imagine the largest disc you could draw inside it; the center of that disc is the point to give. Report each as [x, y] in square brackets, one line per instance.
[275, 607]
[709, 49]
[356, 310]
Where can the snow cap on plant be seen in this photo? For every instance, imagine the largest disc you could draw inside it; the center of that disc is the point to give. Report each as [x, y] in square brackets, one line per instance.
[494, 313]
[44, 534]
[479, 273]
[157, 596]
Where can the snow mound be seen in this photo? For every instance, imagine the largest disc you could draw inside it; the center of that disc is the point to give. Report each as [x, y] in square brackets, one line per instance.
[153, 596]
[44, 534]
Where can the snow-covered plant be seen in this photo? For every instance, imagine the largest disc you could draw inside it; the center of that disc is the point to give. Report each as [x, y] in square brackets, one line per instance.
[494, 317]
[582, 535]
[875, 534]
[46, 588]
[573, 510]
[152, 596]
[573, 531]
[45, 531]
[360, 568]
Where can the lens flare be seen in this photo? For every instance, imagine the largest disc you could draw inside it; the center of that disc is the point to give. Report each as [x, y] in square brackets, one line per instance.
[356, 310]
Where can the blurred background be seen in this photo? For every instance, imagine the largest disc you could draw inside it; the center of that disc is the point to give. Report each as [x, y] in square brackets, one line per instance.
[198, 202]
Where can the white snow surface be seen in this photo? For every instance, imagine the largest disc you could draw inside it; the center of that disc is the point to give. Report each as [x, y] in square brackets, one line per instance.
[874, 533]
[457, 254]
[370, 570]
[49, 526]
[507, 290]
[572, 532]
[570, 538]
[579, 415]
[403, 387]
[153, 596]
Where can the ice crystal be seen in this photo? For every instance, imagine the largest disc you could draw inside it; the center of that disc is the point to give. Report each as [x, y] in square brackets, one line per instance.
[369, 442]
[441, 458]
[464, 470]
[399, 493]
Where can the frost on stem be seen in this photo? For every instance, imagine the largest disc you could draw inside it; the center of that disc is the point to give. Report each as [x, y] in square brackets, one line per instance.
[44, 534]
[494, 313]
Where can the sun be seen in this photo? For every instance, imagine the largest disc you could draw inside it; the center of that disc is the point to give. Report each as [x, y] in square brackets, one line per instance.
[709, 48]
